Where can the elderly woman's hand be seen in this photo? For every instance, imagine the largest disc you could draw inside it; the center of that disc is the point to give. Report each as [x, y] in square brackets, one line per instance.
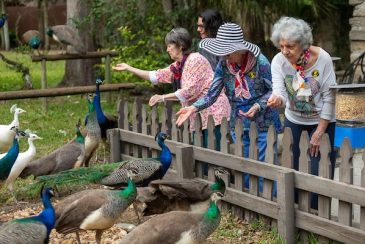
[184, 114]
[274, 101]
[155, 99]
[251, 112]
[121, 67]
[315, 142]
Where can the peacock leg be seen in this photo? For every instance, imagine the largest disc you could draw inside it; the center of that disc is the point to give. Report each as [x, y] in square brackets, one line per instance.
[136, 212]
[98, 234]
[78, 238]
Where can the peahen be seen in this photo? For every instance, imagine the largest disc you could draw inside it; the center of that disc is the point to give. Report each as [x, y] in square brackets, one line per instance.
[178, 226]
[162, 196]
[22, 160]
[33, 39]
[3, 19]
[66, 35]
[105, 121]
[93, 136]
[7, 162]
[149, 169]
[7, 135]
[34, 229]
[96, 209]
[63, 158]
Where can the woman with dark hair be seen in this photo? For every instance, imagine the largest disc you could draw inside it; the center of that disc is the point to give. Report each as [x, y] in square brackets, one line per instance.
[208, 24]
[190, 75]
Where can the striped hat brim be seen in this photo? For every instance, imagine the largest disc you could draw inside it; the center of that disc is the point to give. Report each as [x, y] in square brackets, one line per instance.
[219, 48]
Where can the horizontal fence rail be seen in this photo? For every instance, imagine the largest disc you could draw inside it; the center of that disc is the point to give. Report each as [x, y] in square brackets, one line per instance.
[68, 56]
[135, 138]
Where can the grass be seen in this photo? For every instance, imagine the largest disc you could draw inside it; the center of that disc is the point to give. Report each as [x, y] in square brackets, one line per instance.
[12, 80]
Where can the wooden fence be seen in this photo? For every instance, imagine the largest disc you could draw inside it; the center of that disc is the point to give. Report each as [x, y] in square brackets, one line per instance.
[135, 138]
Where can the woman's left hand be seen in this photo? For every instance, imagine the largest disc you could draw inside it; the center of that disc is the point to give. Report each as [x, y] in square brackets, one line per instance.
[315, 142]
[250, 113]
[155, 99]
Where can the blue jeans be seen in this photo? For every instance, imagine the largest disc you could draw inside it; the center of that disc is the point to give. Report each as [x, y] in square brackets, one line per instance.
[261, 143]
[297, 131]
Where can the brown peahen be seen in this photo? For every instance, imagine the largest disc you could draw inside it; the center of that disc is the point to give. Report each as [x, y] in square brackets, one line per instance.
[94, 209]
[178, 227]
[61, 159]
[66, 35]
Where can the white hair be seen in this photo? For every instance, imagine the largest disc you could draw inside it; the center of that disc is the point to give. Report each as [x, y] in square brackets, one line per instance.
[292, 30]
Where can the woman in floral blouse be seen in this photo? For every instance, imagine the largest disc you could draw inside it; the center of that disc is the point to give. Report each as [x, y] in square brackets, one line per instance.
[245, 75]
[191, 76]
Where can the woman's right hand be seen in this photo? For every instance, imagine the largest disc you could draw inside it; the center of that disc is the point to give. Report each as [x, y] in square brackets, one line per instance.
[274, 101]
[184, 114]
[121, 67]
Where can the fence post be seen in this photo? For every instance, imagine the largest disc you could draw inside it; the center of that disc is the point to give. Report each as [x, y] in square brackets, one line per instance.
[286, 221]
[107, 76]
[185, 162]
[44, 83]
[114, 141]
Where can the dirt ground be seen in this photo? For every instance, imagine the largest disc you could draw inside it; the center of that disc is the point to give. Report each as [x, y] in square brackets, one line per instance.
[231, 231]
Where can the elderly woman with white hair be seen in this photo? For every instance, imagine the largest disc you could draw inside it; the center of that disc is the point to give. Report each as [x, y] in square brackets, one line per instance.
[244, 74]
[302, 75]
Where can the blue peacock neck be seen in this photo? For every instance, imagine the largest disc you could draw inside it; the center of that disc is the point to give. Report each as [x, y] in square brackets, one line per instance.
[99, 112]
[165, 156]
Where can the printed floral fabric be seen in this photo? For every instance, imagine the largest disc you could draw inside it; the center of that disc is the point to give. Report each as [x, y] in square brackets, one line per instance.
[259, 84]
[196, 79]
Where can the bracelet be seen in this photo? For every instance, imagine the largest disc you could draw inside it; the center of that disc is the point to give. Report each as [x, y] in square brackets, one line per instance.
[163, 98]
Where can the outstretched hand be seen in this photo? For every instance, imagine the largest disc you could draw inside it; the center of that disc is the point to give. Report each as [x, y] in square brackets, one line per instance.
[155, 99]
[274, 101]
[250, 113]
[121, 67]
[184, 114]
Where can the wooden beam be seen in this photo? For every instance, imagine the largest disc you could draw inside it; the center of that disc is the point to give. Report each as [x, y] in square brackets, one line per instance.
[88, 55]
[54, 92]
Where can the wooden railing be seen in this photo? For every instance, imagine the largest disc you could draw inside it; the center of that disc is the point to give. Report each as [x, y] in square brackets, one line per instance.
[135, 138]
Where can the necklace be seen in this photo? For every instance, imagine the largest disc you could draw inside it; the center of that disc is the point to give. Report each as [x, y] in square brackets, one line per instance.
[302, 61]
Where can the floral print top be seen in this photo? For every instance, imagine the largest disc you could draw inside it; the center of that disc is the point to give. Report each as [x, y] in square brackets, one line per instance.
[259, 84]
[196, 79]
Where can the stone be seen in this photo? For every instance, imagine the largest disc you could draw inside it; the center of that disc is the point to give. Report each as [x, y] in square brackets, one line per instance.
[359, 10]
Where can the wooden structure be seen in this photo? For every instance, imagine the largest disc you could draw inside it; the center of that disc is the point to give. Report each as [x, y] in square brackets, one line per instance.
[44, 58]
[135, 138]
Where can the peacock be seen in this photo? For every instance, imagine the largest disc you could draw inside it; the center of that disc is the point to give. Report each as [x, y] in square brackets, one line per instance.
[7, 135]
[149, 169]
[105, 121]
[162, 196]
[113, 174]
[33, 39]
[61, 159]
[66, 35]
[22, 160]
[178, 226]
[34, 229]
[93, 136]
[7, 162]
[96, 209]
[3, 19]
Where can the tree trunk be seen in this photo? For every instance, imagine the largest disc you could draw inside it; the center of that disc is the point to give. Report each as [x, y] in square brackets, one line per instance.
[45, 24]
[80, 72]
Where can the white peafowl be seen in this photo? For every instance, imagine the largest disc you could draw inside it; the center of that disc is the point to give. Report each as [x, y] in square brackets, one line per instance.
[7, 135]
[22, 161]
[178, 227]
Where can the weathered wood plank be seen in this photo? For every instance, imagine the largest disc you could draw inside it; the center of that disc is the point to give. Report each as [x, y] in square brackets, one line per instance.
[287, 154]
[267, 191]
[324, 203]
[225, 130]
[304, 166]
[88, 55]
[286, 218]
[253, 154]
[362, 209]
[346, 176]
[137, 123]
[198, 141]
[185, 162]
[144, 129]
[155, 128]
[328, 228]
[238, 176]
[114, 142]
[211, 134]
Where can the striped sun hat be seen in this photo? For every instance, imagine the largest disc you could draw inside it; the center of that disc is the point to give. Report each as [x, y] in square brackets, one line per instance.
[229, 39]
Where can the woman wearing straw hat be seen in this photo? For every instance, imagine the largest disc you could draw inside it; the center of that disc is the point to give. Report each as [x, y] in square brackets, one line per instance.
[245, 74]
[190, 75]
[302, 74]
